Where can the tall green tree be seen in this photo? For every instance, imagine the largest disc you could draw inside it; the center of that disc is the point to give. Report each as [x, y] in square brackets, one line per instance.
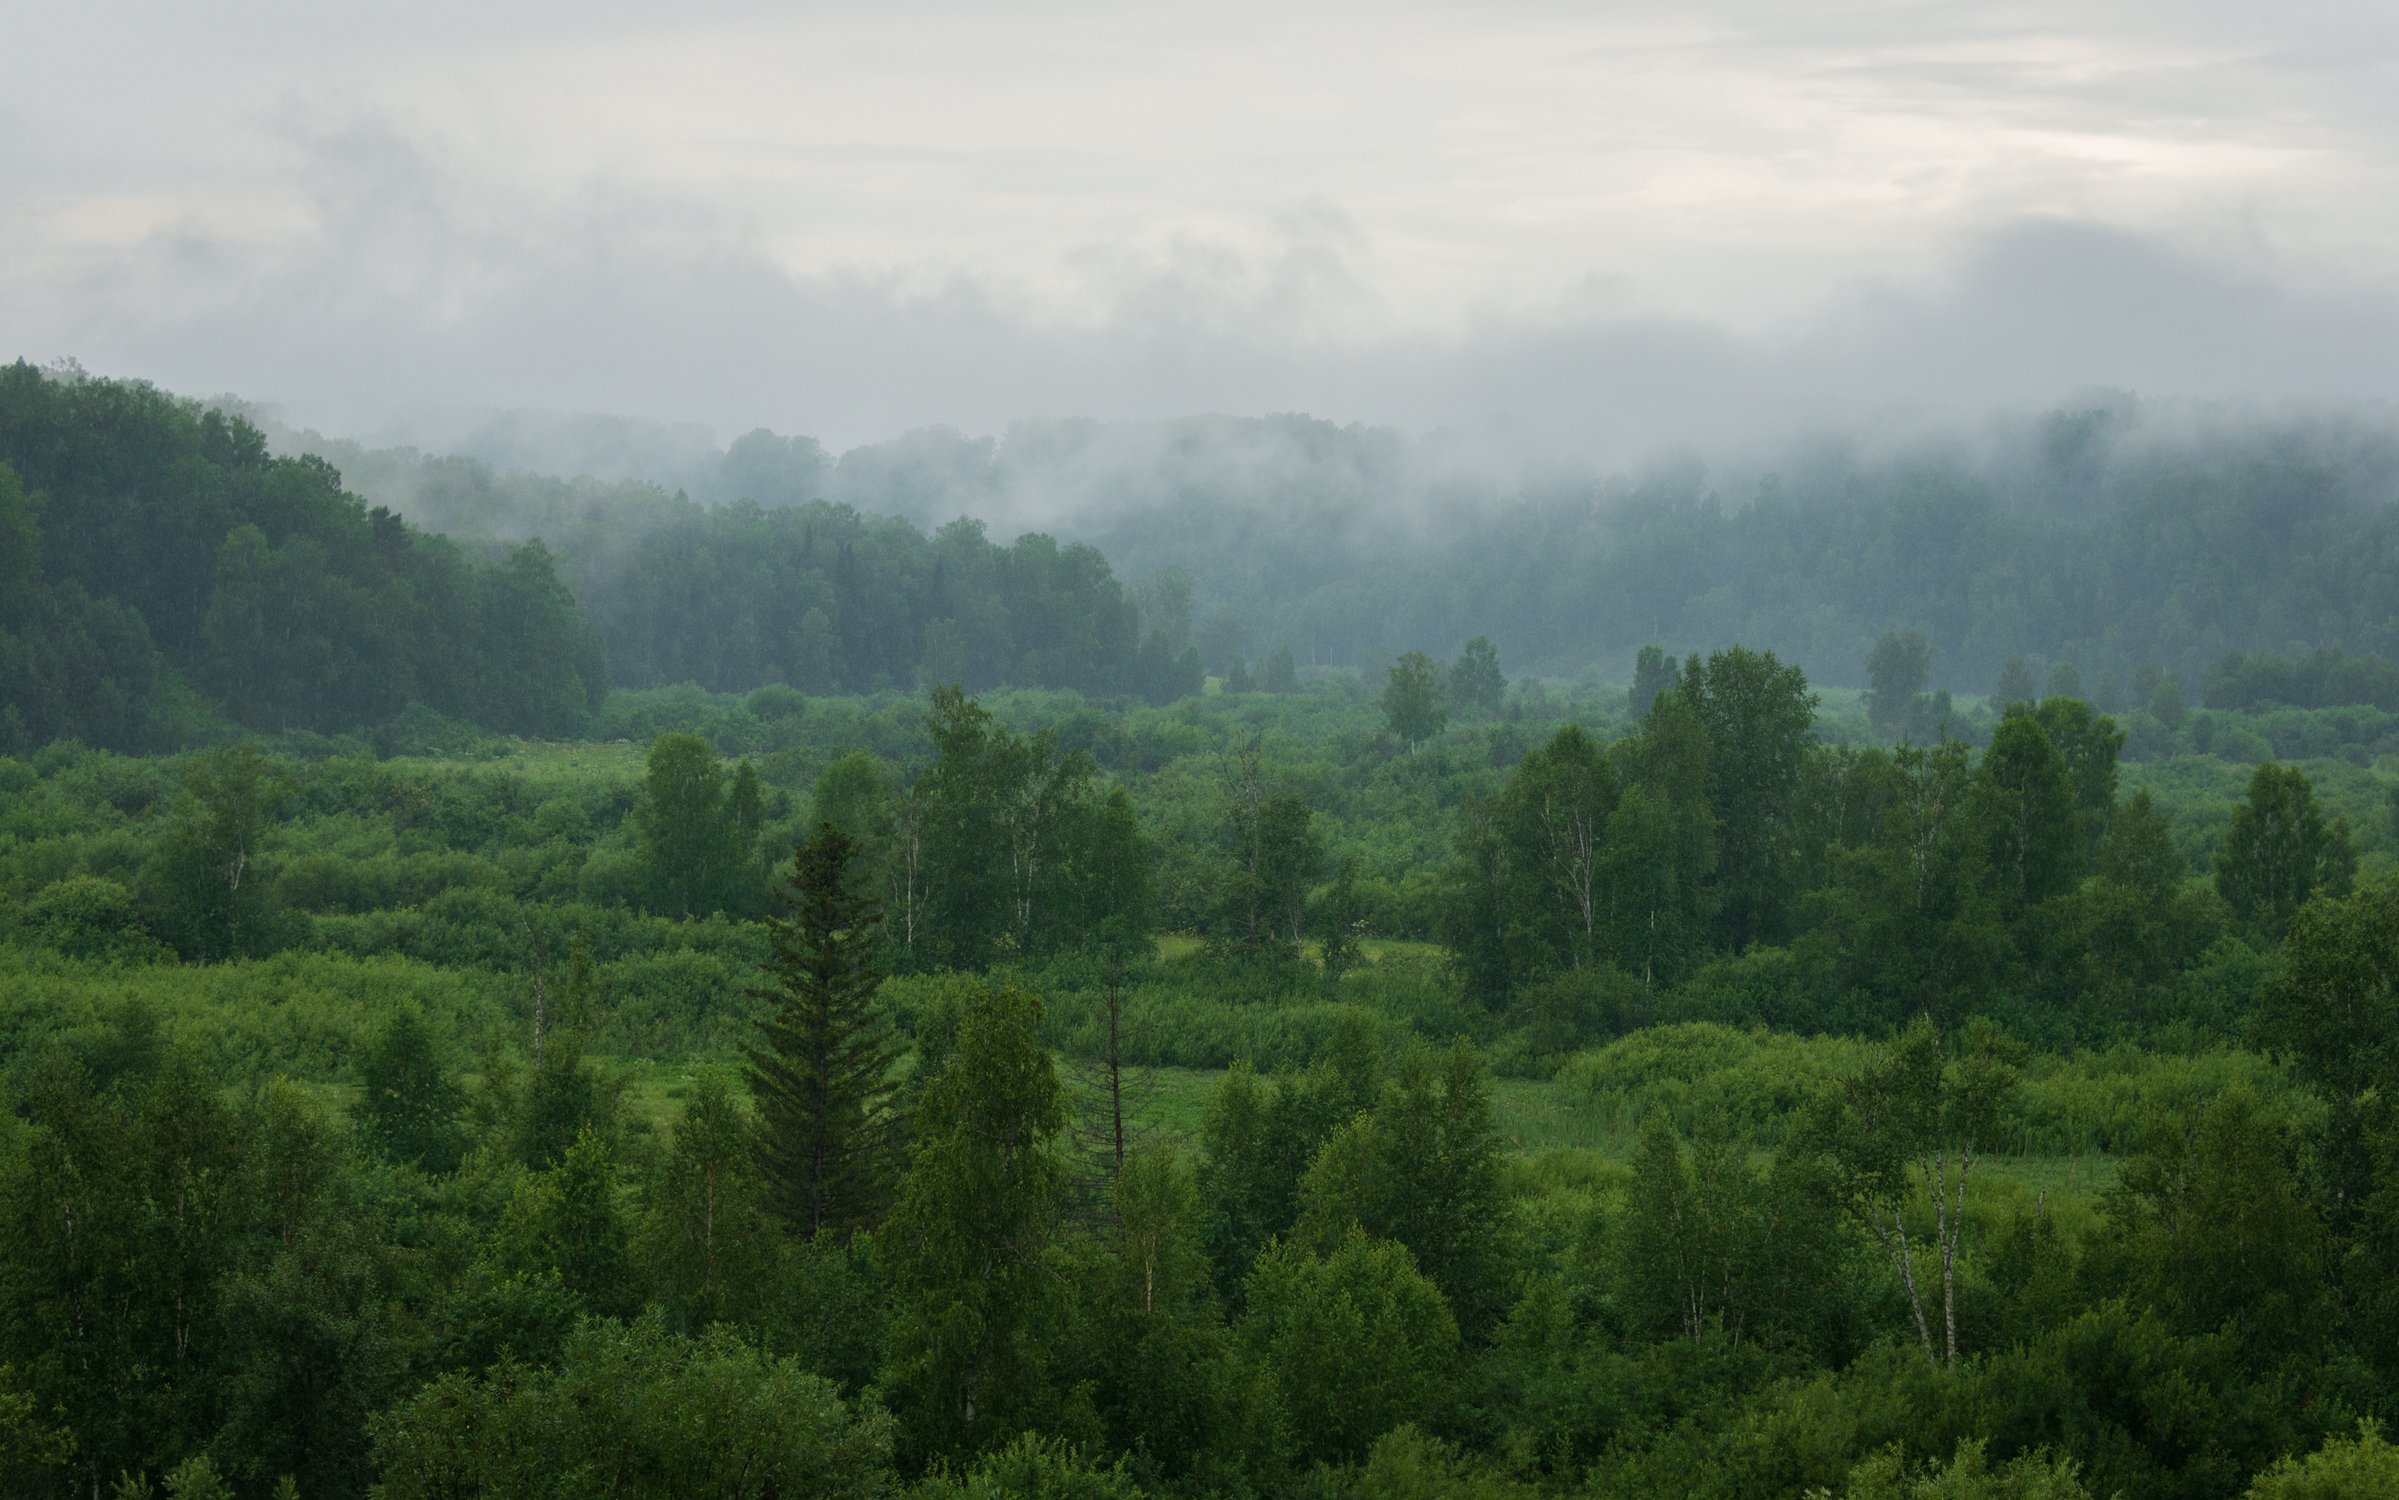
[1902, 1139]
[1413, 707]
[1475, 680]
[1353, 1343]
[1898, 667]
[2026, 803]
[1654, 672]
[1661, 847]
[2279, 851]
[821, 1069]
[704, 1244]
[1759, 716]
[209, 883]
[1422, 1168]
[408, 1099]
[692, 857]
[967, 1245]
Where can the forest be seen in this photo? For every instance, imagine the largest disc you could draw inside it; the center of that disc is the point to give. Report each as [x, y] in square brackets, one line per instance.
[719, 997]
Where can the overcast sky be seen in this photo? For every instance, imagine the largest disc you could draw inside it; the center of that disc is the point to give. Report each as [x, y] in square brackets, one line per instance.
[1631, 221]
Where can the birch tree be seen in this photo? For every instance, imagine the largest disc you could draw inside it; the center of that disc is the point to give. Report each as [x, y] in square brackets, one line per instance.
[1903, 1138]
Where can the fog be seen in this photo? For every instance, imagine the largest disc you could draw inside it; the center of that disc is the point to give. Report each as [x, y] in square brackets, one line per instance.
[1546, 233]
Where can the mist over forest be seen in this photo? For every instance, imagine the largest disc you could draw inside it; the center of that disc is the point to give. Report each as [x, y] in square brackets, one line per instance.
[1517, 751]
[2111, 535]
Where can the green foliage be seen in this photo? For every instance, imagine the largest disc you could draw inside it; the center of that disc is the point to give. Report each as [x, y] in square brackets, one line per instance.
[821, 1070]
[633, 1410]
[1967, 1475]
[1475, 680]
[1899, 666]
[1353, 1343]
[696, 853]
[1035, 1468]
[705, 1242]
[407, 1098]
[1756, 715]
[171, 539]
[1421, 1169]
[2279, 851]
[2364, 1467]
[966, 1246]
[1413, 706]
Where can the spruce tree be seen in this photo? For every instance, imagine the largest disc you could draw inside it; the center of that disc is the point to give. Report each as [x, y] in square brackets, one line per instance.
[821, 1070]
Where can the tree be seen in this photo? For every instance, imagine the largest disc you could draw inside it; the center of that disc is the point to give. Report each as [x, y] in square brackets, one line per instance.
[409, 1101]
[635, 1411]
[2219, 1232]
[1661, 847]
[1354, 1343]
[2364, 1467]
[1475, 680]
[968, 867]
[2015, 685]
[1412, 705]
[821, 1069]
[704, 1244]
[1280, 674]
[1710, 1246]
[2087, 744]
[1153, 1348]
[967, 1242]
[1759, 720]
[691, 850]
[1274, 856]
[1914, 1113]
[2279, 851]
[1898, 667]
[1555, 817]
[216, 892]
[1654, 672]
[2026, 804]
[1421, 1169]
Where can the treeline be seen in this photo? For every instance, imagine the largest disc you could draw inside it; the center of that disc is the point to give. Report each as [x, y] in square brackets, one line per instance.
[147, 542]
[2101, 536]
[1721, 853]
[157, 549]
[828, 600]
[2331, 678]
[772, 575]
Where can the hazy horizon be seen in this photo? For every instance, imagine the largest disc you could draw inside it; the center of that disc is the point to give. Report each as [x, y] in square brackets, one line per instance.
[1596, 234]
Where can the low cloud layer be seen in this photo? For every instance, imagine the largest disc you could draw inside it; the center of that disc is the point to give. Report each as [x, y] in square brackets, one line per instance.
[1876, 210]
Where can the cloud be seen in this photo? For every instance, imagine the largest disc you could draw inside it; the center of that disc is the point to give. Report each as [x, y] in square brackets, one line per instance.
[407, 288]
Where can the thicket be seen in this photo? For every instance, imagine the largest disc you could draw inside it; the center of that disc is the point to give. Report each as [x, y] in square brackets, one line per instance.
[1282, 1099]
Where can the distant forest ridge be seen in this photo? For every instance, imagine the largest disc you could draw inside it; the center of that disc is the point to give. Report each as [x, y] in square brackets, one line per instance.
[166, 576]
[2107, 537]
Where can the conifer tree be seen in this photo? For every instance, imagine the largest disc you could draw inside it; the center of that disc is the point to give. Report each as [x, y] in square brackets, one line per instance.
[821, 1070]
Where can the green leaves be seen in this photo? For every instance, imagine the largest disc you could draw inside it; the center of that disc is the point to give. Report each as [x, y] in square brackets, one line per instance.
[634, 1411]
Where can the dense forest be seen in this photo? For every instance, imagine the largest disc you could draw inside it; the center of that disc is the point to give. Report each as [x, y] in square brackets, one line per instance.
[2104, 535]
[166, 573]
[527, 1013]
[1414, 1084]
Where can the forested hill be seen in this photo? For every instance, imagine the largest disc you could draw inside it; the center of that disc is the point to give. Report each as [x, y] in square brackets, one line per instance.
[2106, 535]
[160, 568]
[158, 565]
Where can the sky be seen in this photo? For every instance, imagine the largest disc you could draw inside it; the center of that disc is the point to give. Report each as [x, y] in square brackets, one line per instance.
[1595, 223]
